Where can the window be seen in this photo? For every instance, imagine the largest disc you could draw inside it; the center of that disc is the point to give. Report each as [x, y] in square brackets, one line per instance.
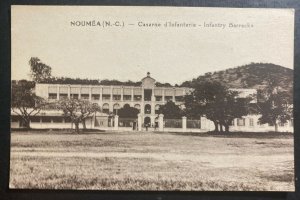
[137, 106]
[157, 109]
[281, 124]
[158, 98]
[106, 96]
[85, 96]
[126, 97]
[68, 120]
[179, 98]
[116, 97]
[105, 108]
[63, 96]
[57, 119]
[260, 124]
[251, 122]
[241, 122]
[292, 122]
[52, 96]
[95, 96]
[116, 107]
[147, 109]
[46, 119]
[232, 123]
[35, 119]
[137, 97]
[74, 96]
[168, 98]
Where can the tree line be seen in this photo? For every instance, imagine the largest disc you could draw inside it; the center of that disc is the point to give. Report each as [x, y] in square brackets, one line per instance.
[41, 73]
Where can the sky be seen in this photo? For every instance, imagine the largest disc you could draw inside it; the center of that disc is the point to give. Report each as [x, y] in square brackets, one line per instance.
[170, 54]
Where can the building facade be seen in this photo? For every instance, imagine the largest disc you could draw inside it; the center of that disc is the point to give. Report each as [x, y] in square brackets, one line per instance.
[146, 98]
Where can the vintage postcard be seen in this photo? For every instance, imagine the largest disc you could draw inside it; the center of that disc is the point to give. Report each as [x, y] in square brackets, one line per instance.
[152, 98]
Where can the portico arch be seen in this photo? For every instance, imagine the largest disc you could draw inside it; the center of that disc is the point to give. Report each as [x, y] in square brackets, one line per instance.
[147, 109]
[138, 106]
[147, 121]
[116, 107]
[105, 108]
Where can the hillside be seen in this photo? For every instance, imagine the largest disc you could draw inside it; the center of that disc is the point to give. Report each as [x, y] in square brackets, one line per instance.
[254, 75]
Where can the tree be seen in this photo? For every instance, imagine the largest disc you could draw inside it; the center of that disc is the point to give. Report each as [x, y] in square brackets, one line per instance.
[128, 112]
[217, 103]
[24, 102]
[275, 105]
[39, 71]
[77, 110]
[87, 109]
[171, 111]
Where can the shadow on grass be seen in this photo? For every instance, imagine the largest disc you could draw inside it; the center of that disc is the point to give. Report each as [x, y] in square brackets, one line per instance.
[56, 131]
[236, 134]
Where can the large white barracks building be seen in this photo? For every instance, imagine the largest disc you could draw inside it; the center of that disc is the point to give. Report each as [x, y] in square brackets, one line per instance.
[147, 98]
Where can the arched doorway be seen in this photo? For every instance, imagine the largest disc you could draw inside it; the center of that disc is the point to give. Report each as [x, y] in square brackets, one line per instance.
[105, 108]
[157, 108]
[147, 121]
[116, 107]
[137, 106]
[147, 109]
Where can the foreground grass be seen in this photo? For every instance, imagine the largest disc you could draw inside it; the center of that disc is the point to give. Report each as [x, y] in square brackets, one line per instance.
[150, 161]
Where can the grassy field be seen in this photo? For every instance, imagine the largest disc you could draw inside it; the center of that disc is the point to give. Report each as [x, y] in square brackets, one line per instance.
[152, 161]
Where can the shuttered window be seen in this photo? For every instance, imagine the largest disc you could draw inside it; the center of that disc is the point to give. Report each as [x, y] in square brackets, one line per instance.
[137, 91]
[169, 92]
[117, 91]
[158, 92]
[96, 90]
[85, 90]
[127, 91]
[75, 90]
[63, 90]
[52, 89]
[106, 90]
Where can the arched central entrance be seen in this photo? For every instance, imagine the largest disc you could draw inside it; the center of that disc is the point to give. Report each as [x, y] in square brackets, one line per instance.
[147, 121]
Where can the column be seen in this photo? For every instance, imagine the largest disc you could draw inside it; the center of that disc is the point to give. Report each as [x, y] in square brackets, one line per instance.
[79, 94]
[122, 93]
[184, 124]
[163, 94]
[93, 119]
[153, 96]
[101, 92]
[90, 93]
[152, 117]
[111, 93]
[140, 121]
[132, 94]
[111, 121]
[143, 94]
[173, 96]
[203, 123]
[235, 122]
[57, 92]
[69, 92]
[161, 122]
[152, 105]
[116, 122]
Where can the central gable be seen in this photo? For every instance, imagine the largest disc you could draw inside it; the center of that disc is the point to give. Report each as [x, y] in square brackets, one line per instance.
[148, 82]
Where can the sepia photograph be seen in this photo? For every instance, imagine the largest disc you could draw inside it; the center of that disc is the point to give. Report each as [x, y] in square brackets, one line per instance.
[152, 98]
